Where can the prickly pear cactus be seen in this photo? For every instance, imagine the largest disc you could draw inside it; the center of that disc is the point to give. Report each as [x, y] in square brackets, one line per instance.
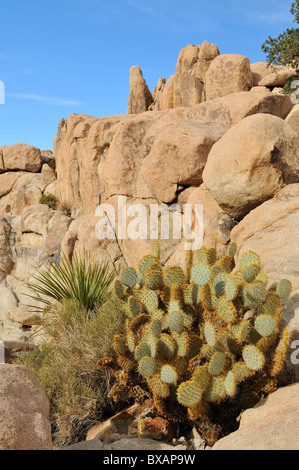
[204, 342]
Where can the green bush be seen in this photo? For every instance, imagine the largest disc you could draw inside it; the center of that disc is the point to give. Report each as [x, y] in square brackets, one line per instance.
[204, 343]
[284, 50]
[82, 279]
[65, 365]
[50, 200]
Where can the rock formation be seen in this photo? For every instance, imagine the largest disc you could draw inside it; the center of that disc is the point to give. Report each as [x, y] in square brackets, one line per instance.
[140, 97]
[215, 133]
[24, 411]
[228, 73]
[266, 426]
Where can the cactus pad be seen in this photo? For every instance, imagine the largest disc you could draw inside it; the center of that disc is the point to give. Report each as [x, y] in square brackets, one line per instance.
[154, 280]
[149, 299]
[210, 334]
[249, 258]
[253, 357]
[156, 328]
[230, 288]
[169, 374]
[202, 377]
[146, 262]
[134, 306]
[160, 389]
[189, 393]
[175, 321]
[217, 363]
[265, 325]
[230, 384]
[142, 351]
[119, 289]
[216, 390]
[166, 346]
[201, 274]
[129, 277]
[146, 366]
[283, 289]
[226, 310]
[250, 272]
[174, 276]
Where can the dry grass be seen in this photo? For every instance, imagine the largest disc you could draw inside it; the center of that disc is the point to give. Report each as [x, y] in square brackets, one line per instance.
[66, 366]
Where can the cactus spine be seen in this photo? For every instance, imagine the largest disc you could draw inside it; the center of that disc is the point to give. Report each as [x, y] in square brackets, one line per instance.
[187, 344]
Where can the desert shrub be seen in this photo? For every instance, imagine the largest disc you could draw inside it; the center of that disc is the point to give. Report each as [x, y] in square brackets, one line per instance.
[204, 343]
[82, 279]
[65, 365]
[50, 200]
[284, 50]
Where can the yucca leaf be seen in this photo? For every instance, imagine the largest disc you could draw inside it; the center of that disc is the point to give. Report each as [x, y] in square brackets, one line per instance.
[83, 279]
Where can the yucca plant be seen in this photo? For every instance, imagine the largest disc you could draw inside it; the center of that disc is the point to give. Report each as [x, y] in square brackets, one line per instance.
[82, 279]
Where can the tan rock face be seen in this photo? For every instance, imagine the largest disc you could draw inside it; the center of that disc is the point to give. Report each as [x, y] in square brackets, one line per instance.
[260, 89]
[48, 158]
[82, 236]
[7, 181]
[178, 156]
[293, 118]
[278, 77]
[6, 262]
[8, 301]
[24, 191]
[20, 157]
[140, 98]
[98, 158]
[210, 209]
[24, 411]
[273, 424]
[228, 73]
[18, 315]
[231, 109]
[187, 86]
[48, 176]
[253, 161]
[82, 142]
[260, 70]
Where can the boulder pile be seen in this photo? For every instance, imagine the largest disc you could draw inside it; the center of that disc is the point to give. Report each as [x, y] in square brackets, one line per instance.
[218, 132]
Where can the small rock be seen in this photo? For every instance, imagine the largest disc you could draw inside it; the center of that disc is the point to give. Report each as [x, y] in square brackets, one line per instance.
[118, 424]
[277, 78]
[18, 315]
[142, 444]
[94, 444]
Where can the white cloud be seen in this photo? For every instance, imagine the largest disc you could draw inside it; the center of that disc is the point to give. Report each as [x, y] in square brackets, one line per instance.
[45, 99]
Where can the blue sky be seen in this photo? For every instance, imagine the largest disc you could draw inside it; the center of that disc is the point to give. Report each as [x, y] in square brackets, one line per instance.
[73, 56]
